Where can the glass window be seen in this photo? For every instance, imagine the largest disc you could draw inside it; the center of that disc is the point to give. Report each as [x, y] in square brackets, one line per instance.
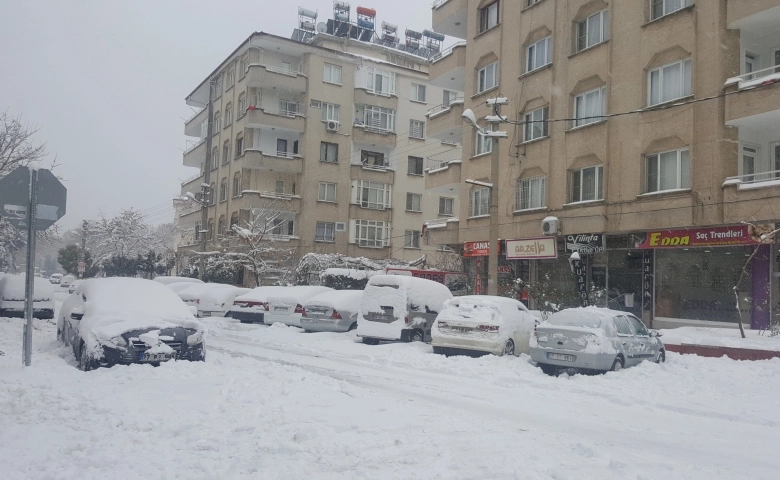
[484, 144]
[241, 104]
[372, 234]
[331, 112]
[412, 239]
[332, 74]
[587, 184]
[530, 193]
[279, 187]
[539, 54]
[418, 92]
[639, 327]
[445, 205]
[326, 232]
[660, 8]
[375, 159]
[749, 162]
[416, 129]
[215, 158]
[479, 202]
[414, 202]
[327, 192]
[448, 97]
[223, 190]
[536, 124]
[415, 166]
[487, 77]
[379, 118]
[589, 107]
[668, 171]
[329, 152]
[622, 326]
[374, 195]
[380, 82]
[669, 82]
[592, 30]
[488, 17]
[228, 116]
[216, 124]
[237, 185]
[239, 146]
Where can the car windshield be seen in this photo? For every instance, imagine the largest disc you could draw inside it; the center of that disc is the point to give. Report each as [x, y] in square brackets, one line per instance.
[577, 318]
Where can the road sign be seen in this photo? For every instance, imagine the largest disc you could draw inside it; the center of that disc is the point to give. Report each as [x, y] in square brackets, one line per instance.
[15, 198]
[82, 267]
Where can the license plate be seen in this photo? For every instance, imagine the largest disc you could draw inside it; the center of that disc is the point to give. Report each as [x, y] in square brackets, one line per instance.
[156, 357]
[205, 314]
[462, 329]
[560, 356]
[280, 309]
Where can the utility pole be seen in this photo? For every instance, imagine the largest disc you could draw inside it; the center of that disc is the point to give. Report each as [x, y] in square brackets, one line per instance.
[83, 252]
[204, 188]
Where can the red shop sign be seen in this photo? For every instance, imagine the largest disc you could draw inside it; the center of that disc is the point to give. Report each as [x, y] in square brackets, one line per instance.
[704, 237]
[478, 249]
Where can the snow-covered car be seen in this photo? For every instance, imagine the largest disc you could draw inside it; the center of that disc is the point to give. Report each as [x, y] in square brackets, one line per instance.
[12, 297]
[286, 305]
[191, 295]
[482, 323]
[67, 280]
[179, 286]
[166, 280]
[73, 285]
[111, 321]
[217, 302]
[332, 311]
[251, 307]
[55, 278]
[395, 307]
[594, 339]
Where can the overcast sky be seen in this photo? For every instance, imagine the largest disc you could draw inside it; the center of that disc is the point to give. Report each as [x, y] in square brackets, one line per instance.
[106, 80]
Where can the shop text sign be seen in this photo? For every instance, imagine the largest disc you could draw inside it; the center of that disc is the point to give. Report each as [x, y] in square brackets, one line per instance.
[702, 237]
[531, 248]
[585, 243]
[478, 249]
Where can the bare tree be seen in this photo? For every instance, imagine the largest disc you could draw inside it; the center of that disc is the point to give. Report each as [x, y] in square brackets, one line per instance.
[126, 235]
[763, 235]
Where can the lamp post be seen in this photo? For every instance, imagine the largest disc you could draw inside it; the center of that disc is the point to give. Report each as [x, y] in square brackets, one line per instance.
[470, 119]
[205, 195]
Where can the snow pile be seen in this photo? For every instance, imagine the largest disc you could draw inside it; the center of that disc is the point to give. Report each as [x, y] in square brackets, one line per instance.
[293, 296]
[219, 299]
[480, 309]
[166, 280]
[350, 273]
[340, 300]
[156, 343]
[179, 286]
[12, 288]
[192, 294]
[720, 337]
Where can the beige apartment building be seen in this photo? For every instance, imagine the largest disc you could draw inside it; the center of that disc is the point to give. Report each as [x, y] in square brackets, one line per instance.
[325, 134]
[644, 134]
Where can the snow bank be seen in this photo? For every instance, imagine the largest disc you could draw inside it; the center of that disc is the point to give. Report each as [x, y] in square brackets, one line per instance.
[292, 296]
[258, 294]
[339, 300]
[165, 280]
[219, 299]
[720, 337]
[196, 291]
[350, 273]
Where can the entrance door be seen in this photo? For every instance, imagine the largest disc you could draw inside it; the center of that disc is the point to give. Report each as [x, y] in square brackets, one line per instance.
[281, 147]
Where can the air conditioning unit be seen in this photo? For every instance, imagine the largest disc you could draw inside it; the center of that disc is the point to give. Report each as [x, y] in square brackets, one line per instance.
[332, 126]
[551, 226]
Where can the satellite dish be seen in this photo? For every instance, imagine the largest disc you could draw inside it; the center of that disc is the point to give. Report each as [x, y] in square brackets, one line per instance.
[322, 27]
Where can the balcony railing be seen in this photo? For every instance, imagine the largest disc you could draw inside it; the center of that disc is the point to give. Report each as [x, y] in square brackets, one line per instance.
[444, 107]
[446, 52]
[754, 178]
[759, 77]
[434, 164]
[192, 178]
[195, 145]
[193, 116]
[439, 3]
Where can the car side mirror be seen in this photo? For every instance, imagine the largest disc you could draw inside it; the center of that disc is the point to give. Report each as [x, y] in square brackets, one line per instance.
[76, 314]
[655, 333]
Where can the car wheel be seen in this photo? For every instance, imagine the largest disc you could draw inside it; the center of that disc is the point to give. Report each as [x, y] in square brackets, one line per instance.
[661, 358]
[416, 336]
[352, 327]
[617, 365]
[308, 331]
[549, 369]
[85, 363]
[509, 348]
[370, 341]
[438, 350]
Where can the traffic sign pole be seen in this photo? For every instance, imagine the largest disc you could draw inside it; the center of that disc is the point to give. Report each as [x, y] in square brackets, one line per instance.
[30, 287]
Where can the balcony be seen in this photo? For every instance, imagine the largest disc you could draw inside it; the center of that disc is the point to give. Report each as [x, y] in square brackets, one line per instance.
[371, 173]
[364, 97]
[443, 177]
[193, 127]
[193, 181]
[752, 196]
[448, 69]
[373, 136]
[740, 14]
[356, 211]
[285, 163]
[442, 231]
[265, 76]
[288, 119]
[450, 17]
[268, 201]
[195, 155]
[445, 123]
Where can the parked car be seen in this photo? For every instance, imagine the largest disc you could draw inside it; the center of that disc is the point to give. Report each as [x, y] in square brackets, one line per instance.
[332, 311]
[192, 294]
[179, 286]
[73, 285]
[218, 301]
[111, 321]
[251, 307]
[12, 297]
[594, 339]
[482, 323]
[396, 307]
[67, 280]
[286, 305]
[55, 278]
[166, 280]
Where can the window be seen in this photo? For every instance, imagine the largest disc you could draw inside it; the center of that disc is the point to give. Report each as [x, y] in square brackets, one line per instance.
[375, 159]
[327, 192]
[622, 327]
[223, 190]
[281, 147]
[279, 186]
[221, 226]
[330, 112]
[418, 93]
[528, 3]
[373, 234]
[226, 152]
[214, 158]
[380, 82]
[237, 185]
[668, 171]
[484, 144]
[416, 129]
[536, 124]
[538, 54]
[244, 66]
[414, 202]
[373, 195]
[332, 74]
[669, 82]
[288, 108]
[241, 104]
[239, 146]
[379, 118]
[479, 202]
[212, 193]
[233, 220]
[326, 232]
[488, 17]
[412, 239]
[487, 77]
[448, 97]
[749, 162]
[639, 328]
[589, 107]
[210, 234]
[445, 205]
[587, 184]
[415, 166]
[283, 227]
[659, 8]
[216, 123]
[231, 78]
[218, 87]
[197, 232]
[530, 193]
[592, 30]
[329, 152]
[228, 115]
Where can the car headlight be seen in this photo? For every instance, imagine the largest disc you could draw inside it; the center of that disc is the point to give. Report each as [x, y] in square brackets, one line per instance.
[195, 338]
[118, 342]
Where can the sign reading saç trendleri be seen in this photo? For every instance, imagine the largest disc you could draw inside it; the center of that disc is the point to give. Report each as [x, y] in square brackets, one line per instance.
[585, 243]
[542, 247]
[705, 237]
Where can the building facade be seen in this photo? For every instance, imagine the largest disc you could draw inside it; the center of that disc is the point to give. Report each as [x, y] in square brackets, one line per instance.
[644, 134]
[325, 136]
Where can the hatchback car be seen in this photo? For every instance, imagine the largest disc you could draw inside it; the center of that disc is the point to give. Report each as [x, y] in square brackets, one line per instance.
[482, 323]
[251, 307]
[332, 311]
[217, 302]
[109, 321]
[594, 339]
[67, 280]
[286, 305]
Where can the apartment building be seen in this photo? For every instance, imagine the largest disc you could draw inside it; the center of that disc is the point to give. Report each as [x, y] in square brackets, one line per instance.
[645, 135]
[326, 135]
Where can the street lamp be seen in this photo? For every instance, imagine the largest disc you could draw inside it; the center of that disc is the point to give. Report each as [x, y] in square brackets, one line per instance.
[470, 119]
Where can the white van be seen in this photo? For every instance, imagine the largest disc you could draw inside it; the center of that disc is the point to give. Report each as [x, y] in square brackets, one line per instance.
[55, 278]
[397, 307]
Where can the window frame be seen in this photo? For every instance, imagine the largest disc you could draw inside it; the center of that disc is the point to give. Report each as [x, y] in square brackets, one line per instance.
[416, 89]
[479, 199]
[412, 160]
[325, 148]
[324, 192]
[325, 227]
[417, 129]
[237, 185]
[482, 77]
[664, 11]
[239, 146]
[328, 78]
[223, 190]
[410, 198]
[489, 17]
[226, 152]
[331, 112]
[412, 239]
[484, 144]
[379, 241]
[530, 124]
[585, 24]
[443, 202]
[366, 154]
[523, 186]
[388, 78]
[364, 189]
[577, 183]
[678, 169]
[529, 55]
[386, 116]
[580, 118]
[685, 90]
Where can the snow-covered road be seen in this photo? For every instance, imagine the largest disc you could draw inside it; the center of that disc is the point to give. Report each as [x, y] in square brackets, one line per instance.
[276, 403]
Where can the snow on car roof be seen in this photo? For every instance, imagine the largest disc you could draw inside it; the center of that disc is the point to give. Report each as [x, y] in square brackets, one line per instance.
[469, 305]
[258, 294]
[296, 295]
[218, 296]
[592, 317]
[198, 289]
[179, 286]
[165, 280]
[403, 291]
[351, 273]
[12, 287]
[341, 300]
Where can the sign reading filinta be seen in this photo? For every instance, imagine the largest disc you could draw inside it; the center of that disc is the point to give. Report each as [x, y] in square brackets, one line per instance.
[585, 243]
[531, 248]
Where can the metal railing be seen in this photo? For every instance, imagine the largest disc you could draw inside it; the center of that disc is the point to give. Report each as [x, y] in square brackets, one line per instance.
[757, 75]
[458, 100]
[438, 3]
[194, 146]
[434, 164]
[284, 71]
[447, 51]
[194, 115]
[192, 178]
[757, 177]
